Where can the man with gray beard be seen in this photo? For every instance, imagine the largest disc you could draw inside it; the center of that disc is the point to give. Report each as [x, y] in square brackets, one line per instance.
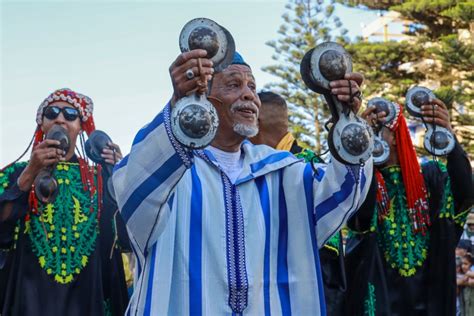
[234, 228]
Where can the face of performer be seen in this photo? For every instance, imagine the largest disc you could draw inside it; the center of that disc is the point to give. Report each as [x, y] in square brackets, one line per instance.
[238, 113]
[70, 120]
[272, 124]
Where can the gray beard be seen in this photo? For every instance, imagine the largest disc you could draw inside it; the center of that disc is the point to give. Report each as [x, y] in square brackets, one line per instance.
[246, 130]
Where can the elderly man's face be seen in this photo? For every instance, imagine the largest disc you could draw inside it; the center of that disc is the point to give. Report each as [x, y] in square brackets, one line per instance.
[236, 88]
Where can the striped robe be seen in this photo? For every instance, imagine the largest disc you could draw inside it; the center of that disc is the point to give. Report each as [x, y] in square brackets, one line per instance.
[206, 246]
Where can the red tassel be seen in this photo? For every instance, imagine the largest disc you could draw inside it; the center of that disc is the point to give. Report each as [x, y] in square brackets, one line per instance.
[382, 198]
[87, 177]
[100, 190]
[89, 125]
[82, 169]
[413, 181]
[33, 201]
[39, 135]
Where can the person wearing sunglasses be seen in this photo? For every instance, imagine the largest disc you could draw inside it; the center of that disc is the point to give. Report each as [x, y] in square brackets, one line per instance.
[61, 257]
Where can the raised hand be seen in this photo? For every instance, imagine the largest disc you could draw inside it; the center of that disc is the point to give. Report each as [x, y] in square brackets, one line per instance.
[372, 118]
[348, 90]
[185, 75]
[113, 154]
[437, 113]
[43, 155]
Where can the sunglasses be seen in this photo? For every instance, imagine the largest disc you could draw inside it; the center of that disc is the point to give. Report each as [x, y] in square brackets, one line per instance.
[52, 112]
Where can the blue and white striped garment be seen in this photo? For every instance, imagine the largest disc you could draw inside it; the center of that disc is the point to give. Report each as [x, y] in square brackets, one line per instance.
[208, 247]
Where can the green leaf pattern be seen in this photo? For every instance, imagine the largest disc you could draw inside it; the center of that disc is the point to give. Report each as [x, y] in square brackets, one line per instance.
[63, 234]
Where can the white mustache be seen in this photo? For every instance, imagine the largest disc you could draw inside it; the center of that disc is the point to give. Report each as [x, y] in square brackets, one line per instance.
[244, 106]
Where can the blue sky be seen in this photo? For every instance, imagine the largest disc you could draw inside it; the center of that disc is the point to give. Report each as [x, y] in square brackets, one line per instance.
[118, 53]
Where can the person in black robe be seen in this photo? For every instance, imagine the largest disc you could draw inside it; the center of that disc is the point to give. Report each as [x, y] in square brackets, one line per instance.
[400, 256]
[61, 255]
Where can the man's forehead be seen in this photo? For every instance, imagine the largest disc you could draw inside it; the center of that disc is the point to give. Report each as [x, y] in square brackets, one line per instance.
[237, 70]
[61, 104]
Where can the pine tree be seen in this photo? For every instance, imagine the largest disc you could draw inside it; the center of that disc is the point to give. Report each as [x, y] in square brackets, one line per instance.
[306, 23]
[440, 52]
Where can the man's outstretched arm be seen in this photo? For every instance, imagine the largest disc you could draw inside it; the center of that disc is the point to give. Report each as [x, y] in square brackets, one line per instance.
[145, 179]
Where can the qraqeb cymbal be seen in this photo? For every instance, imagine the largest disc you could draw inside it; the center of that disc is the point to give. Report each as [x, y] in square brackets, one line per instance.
[202, 33]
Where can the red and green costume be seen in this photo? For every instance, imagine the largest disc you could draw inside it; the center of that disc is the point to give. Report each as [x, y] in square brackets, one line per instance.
[400, 256]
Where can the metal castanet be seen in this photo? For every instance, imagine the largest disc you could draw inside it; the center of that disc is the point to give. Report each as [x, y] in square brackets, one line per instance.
[381, 151]
[46, 186]
[194, 120]
[202, 33]
[384, 105]
[438, 141]
[350, 137]
[94, 146]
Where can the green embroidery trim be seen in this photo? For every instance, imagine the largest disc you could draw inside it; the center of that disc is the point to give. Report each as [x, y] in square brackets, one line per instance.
[373, 222]
[5, 183]
[333, 243]
[308, 156]
[403, 250]
[70, 225]
[369, 302]
[351, 233]
[5, 175]
[16, 233]
[107, 307]
[461, 218]
[447, 208]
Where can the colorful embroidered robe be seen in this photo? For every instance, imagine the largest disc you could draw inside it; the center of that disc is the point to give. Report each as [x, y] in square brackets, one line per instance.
[393, 271]
[57, 261]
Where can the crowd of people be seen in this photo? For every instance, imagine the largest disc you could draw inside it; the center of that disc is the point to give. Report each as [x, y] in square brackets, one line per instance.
[249, 225]
[465, 270]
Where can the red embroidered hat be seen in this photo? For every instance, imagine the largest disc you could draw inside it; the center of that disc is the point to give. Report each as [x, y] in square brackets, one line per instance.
[81, 102]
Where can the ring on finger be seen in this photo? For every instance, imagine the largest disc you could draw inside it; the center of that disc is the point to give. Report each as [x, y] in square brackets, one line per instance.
[358, 95]
[189, 74]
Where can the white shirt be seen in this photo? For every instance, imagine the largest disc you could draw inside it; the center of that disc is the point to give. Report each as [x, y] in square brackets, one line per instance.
[230, 162]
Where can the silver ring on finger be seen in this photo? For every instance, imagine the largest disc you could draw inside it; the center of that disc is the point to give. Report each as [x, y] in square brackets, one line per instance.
[189, 74]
